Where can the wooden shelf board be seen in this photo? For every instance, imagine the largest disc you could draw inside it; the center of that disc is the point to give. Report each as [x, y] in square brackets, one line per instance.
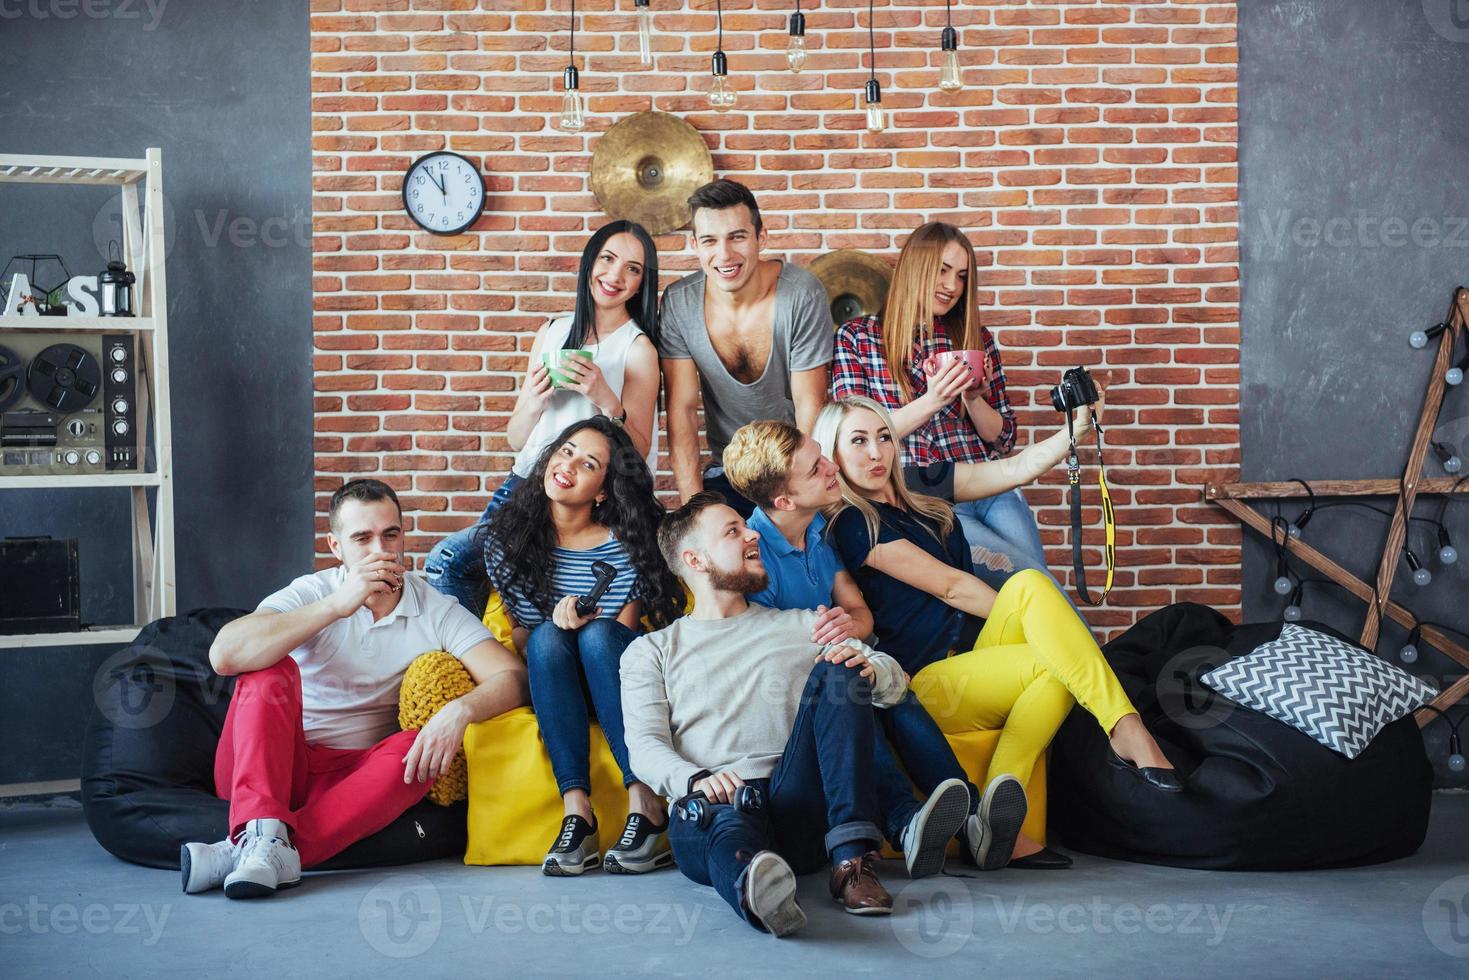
[96, 636]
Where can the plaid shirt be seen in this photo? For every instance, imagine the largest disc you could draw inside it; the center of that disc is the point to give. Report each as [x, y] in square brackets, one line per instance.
[860, 368]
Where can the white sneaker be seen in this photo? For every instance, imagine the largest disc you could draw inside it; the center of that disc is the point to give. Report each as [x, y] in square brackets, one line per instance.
[267, 861]
[927, 835]
[205, 866]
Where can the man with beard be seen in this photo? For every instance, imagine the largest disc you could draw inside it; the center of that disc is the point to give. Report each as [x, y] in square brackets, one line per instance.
[311, 758]
[724, 709]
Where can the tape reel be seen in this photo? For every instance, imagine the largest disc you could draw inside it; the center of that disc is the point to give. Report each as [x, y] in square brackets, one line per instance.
[64, 377]
[12, 377]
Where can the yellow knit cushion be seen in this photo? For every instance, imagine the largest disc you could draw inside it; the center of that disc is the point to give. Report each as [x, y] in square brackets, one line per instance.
[432, 681]
[514, 808]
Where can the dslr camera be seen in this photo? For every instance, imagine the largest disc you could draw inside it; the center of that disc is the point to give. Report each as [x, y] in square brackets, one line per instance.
[1075, 390]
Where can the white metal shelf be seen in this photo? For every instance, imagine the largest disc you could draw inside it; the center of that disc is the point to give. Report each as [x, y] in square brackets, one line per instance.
[90, 324]
[114, 171]
[93, 636]
[69, 481]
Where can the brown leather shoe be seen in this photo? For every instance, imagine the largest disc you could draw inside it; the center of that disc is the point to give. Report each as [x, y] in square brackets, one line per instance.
[854, 884]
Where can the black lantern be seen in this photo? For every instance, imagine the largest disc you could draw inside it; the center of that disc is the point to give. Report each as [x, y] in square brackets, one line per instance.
[115, 287]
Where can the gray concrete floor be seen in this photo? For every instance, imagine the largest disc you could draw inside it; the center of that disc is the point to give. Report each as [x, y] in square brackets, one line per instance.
[67, 908]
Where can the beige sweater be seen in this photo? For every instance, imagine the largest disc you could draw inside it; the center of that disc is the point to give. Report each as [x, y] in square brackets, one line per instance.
[723, 694]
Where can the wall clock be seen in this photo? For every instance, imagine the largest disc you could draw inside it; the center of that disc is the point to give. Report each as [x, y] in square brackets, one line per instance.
[443, 192]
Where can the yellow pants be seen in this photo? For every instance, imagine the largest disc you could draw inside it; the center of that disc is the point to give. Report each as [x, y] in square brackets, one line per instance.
[1034, 660]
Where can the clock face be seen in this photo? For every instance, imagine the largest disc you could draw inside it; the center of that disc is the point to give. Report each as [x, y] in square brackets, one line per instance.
[443, 192]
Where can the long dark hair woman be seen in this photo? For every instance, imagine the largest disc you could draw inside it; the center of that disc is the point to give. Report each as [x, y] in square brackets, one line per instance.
[588, 501]
[599, 360]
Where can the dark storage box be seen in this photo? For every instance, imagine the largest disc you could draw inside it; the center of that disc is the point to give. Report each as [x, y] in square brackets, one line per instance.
[39, 588]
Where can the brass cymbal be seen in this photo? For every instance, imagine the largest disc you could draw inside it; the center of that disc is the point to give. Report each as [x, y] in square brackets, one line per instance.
[856, 282]
[645, 167]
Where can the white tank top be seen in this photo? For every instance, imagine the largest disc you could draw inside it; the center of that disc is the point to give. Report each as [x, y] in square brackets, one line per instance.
[566, 407]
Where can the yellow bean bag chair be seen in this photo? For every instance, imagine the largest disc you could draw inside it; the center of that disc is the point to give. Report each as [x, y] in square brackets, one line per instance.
[515, 810]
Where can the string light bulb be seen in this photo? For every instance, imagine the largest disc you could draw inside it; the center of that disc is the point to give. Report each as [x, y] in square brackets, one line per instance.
[796, 46]
[1421, 575]
[1419, 339]
[644, 13]
[573, 116]
[949, 79]
[1409, 653]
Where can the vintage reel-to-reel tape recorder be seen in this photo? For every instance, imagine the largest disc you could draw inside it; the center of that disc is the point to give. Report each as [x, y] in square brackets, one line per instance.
[68, 403]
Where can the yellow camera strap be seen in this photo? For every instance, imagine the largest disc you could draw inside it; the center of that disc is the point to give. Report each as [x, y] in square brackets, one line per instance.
[1109, 519]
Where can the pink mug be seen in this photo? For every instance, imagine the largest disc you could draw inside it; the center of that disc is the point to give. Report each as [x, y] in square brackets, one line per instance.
[935, 363]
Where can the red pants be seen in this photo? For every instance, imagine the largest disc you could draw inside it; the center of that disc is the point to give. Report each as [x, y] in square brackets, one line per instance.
[330, 798]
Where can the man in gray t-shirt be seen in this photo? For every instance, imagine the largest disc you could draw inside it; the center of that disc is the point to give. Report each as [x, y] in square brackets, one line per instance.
[752, 336]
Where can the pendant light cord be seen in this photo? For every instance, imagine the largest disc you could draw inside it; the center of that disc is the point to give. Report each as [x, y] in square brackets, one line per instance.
[719, 23]
[871, 44]
[571, 42]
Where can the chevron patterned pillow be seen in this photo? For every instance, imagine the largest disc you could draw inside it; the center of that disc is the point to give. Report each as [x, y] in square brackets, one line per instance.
[1333, 691]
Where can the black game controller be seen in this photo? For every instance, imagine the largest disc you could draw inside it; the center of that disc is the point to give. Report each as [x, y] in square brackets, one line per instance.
[605, 574]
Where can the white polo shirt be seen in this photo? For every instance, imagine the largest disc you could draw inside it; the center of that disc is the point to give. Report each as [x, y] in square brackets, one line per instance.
[351, 671]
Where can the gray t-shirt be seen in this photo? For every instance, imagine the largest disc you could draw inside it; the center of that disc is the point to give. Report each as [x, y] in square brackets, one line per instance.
[802, 340]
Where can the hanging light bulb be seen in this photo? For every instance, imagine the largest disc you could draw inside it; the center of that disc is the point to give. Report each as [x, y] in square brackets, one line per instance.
[796, 46]
[949, 79]
[1283, 585]
[876, 118]
[1457, 762]
[573, 118]
[721, 93]
[644, 14]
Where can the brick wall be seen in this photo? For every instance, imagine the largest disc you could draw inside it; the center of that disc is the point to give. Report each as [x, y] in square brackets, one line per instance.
[1091, 158]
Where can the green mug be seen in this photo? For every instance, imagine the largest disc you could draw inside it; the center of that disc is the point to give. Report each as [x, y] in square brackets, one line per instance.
[552, 358]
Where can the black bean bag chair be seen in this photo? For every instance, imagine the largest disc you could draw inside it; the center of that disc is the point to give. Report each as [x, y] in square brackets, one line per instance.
[148, 759]
[1259, 795]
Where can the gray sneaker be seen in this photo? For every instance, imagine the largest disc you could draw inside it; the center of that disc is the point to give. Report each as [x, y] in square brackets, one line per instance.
[770, 895]
[205, 866]
[267, 862]
[927, 835]
[642, 847]
[575, 850]
[1001, 815]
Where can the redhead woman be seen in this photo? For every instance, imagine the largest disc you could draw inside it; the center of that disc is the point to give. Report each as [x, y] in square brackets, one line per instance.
[943, 411]
[615, 322]
[1016, 660]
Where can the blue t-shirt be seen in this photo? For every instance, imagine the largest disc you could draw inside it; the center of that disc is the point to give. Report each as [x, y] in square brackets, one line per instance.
[800, 578]
[571, 574]
[915, 628]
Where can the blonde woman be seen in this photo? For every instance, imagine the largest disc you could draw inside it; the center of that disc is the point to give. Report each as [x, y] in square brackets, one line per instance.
[1016, 660]
[942, 410]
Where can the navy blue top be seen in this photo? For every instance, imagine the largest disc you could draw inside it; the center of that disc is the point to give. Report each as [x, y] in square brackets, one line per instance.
[915, 628]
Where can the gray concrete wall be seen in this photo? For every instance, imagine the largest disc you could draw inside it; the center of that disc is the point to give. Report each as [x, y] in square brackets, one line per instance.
[1354, 214]
[222, 86]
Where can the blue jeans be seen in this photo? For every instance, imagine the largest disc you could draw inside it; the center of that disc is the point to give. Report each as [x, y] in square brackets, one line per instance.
[820, 800]
[924, 752]
[1001, 531]
[714, 479]
[456, 565]
[568, 669]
